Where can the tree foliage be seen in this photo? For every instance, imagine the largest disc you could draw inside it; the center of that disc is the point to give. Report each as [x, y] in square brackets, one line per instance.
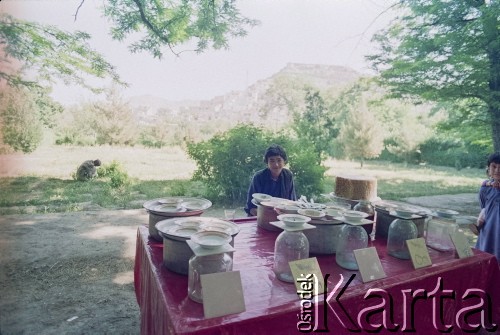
[21, 124]
[48, 53]
[360, 135]
[316, 124]
[227, 162]
[445, 51]
[110, 121]
[169, 23]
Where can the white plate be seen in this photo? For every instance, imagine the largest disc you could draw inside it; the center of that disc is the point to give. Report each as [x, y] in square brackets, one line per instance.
[172, 201]
[259, 197]
[198, 250]
[211, 239]
[292, 220]
[354, 223]
[224, 226]
[196, 205]
[281, 224]
[182, 232]
[167, 208]
[188, 222]
[446, 213]
[312, 213]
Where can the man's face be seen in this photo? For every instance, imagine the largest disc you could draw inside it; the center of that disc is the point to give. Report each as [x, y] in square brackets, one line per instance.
[275, 164]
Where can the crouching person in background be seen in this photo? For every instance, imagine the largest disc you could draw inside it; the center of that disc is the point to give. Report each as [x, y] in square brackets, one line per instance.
[87, 170]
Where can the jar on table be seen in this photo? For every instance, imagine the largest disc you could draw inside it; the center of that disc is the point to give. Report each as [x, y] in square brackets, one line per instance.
[365, 206]
[350, 238]
[201, 265]
[400, 230]
[438, 233]
[211, 255]
[290, 245]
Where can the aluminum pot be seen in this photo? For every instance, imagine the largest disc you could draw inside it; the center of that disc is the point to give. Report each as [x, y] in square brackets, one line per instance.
[176, 252]
[162, 209]
[266, 214]
[154, 218]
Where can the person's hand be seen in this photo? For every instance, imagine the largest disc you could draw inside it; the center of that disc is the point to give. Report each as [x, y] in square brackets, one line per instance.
[476, 228]
[480, 219]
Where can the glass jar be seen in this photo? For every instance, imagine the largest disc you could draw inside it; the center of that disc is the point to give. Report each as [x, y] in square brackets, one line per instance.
[438, 233]
[400, 230]
[289, 246]
[200, 265]
[350, 239]
[366, 207]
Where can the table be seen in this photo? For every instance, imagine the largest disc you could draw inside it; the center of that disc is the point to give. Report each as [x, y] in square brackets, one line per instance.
[273, 307]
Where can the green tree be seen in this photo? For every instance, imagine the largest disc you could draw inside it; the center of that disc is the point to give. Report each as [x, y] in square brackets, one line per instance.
[109, 121]
[360, 134]
[114, 121]
[316, 123]
[445, 51]
[21, 126]
[206, 23]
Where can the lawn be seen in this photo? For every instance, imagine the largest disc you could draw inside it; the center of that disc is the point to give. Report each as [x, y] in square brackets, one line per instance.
[42, 181]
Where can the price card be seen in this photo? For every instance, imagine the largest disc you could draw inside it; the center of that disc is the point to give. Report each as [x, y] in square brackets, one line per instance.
[307, 276]
[369, 264]
[222, 294]
[418, 253]
[461, 244]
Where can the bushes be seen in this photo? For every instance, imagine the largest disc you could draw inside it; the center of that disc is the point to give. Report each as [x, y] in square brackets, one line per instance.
[227, 162]
[113, 171]
[454, 153]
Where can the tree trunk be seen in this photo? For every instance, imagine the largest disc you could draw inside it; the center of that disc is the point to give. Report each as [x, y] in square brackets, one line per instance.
[495, 127]
[491, 32]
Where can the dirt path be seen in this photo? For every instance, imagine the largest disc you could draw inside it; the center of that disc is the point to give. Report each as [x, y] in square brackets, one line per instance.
[72, 273]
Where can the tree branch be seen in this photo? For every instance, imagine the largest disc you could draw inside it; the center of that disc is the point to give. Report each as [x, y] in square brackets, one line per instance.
[148, 23]
[77, 9]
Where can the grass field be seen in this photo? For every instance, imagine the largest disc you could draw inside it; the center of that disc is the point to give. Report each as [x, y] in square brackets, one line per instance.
[42, 181]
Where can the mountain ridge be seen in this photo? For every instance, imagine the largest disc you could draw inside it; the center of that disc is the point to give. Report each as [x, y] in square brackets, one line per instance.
[243, 105]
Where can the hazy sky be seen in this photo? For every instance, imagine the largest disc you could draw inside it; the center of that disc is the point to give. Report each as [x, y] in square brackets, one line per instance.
[333, 32]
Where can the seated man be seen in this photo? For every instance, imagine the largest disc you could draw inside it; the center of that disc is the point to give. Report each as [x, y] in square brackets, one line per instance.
[274, 180]
[87, 170]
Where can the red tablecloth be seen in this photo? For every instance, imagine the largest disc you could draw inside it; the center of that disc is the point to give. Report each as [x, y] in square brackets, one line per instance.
[273, 307]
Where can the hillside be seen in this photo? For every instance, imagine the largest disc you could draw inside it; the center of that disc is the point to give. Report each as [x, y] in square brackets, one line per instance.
[266, 101]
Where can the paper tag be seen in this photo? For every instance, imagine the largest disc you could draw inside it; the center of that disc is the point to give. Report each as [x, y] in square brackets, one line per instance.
[418, 252]
[461, 244]
[222, 294]
[307, 276]
[369, 264]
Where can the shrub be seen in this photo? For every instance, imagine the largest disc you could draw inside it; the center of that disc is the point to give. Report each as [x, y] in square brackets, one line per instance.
[227, 162]
[116, 174]
[454, 153]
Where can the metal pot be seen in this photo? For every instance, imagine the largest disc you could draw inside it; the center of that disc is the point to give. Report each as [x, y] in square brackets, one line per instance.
[266, 214]
[176, 252]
